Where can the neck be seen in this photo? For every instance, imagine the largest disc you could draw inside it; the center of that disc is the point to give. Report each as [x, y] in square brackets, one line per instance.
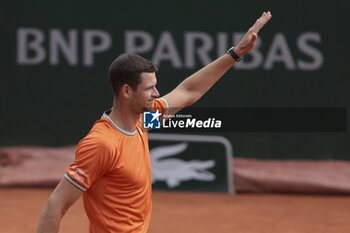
[124, 117]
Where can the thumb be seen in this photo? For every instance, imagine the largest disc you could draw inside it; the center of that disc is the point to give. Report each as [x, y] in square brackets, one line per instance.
[252, 42]
[253, 39]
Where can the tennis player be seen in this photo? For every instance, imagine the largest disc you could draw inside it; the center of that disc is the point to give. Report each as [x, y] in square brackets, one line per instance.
[112, 165]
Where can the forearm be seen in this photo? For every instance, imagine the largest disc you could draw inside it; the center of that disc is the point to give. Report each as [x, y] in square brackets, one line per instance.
[201, 81]
[195, 86]
[50, 219]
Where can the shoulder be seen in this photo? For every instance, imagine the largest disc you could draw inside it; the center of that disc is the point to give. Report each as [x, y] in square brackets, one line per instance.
[101, 137]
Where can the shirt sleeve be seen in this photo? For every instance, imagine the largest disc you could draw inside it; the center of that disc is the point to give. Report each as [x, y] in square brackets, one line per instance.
[162, 106]
[92, 160]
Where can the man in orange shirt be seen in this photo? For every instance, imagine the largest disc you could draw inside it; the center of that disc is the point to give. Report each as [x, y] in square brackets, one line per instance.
[112, 163]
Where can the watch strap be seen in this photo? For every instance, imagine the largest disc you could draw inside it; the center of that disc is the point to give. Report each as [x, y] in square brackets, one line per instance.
[233, 54]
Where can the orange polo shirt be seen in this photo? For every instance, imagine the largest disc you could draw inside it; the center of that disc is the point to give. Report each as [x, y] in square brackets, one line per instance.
[112, 167]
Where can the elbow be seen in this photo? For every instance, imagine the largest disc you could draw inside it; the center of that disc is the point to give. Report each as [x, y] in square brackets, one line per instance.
[193, 98]
[187, 95]
[190, 102]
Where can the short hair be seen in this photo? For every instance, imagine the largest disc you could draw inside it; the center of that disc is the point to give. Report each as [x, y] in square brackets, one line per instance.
[126, 69]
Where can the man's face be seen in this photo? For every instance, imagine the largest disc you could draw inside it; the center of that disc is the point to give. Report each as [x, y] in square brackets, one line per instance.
[145, 92]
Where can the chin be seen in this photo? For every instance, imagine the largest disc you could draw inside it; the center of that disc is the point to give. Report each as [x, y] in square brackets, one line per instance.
[146, 108]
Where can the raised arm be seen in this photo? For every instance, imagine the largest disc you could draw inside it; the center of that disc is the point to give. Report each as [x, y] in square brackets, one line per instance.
[196, 85]
[60, 200]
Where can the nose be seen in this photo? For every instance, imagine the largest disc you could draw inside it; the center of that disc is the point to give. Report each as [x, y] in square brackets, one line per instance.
[155, 93]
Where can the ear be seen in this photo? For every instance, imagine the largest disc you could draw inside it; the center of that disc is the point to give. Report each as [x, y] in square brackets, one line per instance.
[126, 91]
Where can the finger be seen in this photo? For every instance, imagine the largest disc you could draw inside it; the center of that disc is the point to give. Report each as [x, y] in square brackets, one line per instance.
[264, 18]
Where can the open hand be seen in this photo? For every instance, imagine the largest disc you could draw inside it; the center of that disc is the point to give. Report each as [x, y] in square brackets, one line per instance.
[249, 39]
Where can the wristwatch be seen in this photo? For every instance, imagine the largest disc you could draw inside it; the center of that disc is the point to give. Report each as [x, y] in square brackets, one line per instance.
[233, 54]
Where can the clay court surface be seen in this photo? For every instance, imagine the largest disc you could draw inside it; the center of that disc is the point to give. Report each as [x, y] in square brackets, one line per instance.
[196, 212]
